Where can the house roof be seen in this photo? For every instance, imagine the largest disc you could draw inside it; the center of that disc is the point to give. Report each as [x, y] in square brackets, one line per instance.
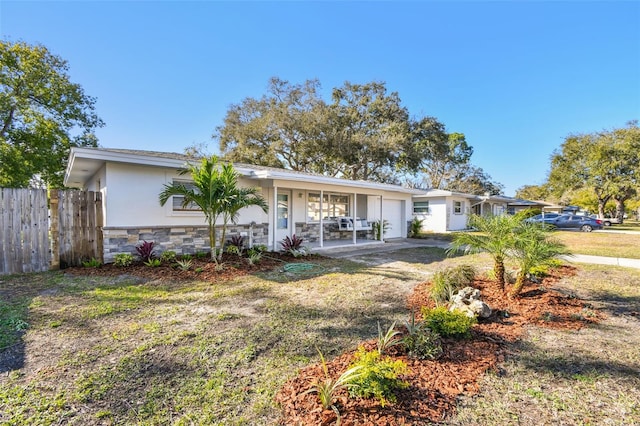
[85, 162]
[434, 193]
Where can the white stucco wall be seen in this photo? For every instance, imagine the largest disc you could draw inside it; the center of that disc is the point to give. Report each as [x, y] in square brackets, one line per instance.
[441, 216]
[131, 194]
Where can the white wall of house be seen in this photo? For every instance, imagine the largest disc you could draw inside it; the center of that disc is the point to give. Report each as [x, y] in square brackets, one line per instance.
[442, 215]
[131, 198]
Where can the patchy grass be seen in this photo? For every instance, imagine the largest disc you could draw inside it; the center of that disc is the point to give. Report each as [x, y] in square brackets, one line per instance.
[601, 243]
[102, 350]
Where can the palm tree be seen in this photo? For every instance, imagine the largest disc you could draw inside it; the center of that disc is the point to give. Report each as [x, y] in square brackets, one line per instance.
[215, 191]
[533, 248]
[493, 235]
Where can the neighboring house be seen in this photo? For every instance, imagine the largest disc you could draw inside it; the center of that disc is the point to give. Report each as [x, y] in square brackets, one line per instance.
[322, 210]
[442, 211]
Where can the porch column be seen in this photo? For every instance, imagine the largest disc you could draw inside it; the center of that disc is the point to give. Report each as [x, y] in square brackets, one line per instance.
[273, 226]
[381, 220]
[353, 218]
[321, 219]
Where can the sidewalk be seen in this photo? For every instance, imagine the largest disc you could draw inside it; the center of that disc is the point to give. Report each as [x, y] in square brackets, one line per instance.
[404, 243]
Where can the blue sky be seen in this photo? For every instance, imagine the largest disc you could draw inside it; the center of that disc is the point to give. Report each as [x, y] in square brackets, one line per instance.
[515, 77]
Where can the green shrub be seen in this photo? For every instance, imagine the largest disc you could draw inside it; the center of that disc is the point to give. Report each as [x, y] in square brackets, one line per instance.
[447, 324]
[123, 259]
[254, 256]
[92, 263]
[377, 377]
[184, 264]
[153, 263]
[186, 256]
[168, 256]
[415, 227]
[422, 343]
[202, 255]
[260, 247]
[447, 282]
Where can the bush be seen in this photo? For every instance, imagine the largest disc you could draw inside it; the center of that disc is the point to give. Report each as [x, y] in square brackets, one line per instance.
[146, 250]
[254, 256]
[447, 282]
[447, 324]
[92, 263]
[415, 227]
[260, 247]
[153, 263]
[123, 259]
[377, 377]
[168, 256]
[422, 343]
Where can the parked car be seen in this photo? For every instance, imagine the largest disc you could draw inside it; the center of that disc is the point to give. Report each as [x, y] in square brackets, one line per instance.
[573, 221]
[608, 221]
[546, 218]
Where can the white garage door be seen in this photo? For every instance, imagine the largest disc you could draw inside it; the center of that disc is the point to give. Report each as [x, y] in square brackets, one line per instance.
[393, 214]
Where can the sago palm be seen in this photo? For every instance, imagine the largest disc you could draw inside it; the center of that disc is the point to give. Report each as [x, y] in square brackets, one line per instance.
[493, 235]
[533, 248]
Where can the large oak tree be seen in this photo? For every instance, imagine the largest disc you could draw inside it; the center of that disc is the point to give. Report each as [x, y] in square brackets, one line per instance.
[42, 115]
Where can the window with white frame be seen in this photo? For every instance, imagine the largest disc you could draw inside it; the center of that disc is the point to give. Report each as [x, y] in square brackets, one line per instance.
[420, 207]
[178, 200]
[334, 205]
[458, 207]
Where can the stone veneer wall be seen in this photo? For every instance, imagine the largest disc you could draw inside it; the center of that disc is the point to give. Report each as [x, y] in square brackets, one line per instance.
[181, 239]
[310, 232]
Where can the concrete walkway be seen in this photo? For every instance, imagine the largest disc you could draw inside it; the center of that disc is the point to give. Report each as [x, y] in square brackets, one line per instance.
[405, 243]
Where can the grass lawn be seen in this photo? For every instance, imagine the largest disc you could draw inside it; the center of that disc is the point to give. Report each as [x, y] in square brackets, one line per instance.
[116, 350]
[602, 243]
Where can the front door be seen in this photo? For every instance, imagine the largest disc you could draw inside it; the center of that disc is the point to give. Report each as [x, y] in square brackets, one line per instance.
[283, 218]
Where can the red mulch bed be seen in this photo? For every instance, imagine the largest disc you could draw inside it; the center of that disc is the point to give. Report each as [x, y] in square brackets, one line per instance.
[436, 385]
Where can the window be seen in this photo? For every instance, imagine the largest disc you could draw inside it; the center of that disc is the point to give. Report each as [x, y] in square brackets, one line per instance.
[457, 207]
[420, 207]
[178, 200]
[333, 206]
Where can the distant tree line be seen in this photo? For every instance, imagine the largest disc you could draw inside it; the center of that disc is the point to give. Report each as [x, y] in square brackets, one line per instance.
[362, 133]
[598, 170]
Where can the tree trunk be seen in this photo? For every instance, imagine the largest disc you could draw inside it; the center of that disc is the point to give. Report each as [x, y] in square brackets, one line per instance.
[517, 287]
[498, 269]
[212, 239]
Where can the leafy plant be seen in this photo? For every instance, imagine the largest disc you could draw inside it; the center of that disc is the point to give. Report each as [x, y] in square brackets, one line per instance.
[123, 259]
[201, 254]
[422, 343]
[184, 264]
[447, 282]
[92, 263]
[329, 387]
[447, 324]
[236, 241]
[146, 250]
[186, 256]
[168, 256]
[415, 227]
[378, 377]
[379, 229]
[388, 339]
[301, 252]
[153, 263]
[260, 247]
[255, 256]
[290, 244]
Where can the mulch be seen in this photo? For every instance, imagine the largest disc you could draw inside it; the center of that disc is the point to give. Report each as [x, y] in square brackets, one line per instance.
[435, 386]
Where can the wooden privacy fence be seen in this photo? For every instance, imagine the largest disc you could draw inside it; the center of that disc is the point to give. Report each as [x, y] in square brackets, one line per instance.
[42, 230]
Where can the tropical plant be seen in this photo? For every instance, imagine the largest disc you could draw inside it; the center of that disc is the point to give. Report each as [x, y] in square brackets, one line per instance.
[533, 249]
[260, 247]
[254, 256]
[329, 387]
[123, 259]
[493, 235]
[146, 250]
[388, 339]
[415, 227]
[186, 256]
[153, 263]
[289, 244]
[446, 323]
[380, 228]
[378, 377]
[201, 254]
[184, 264]
[235, 245]
[215, 191]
